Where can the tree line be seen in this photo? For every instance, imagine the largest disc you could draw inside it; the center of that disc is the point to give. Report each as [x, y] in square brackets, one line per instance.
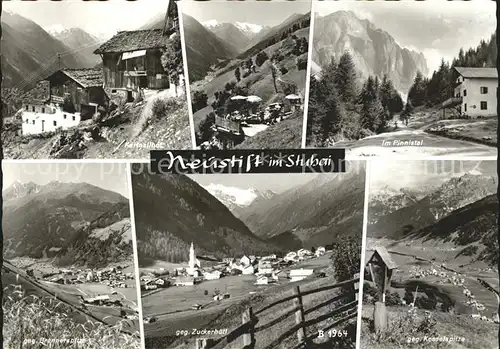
[434, 90]
[340, 109]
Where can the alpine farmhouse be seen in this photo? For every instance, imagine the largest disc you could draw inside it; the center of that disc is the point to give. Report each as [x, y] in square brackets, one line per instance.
[474, 92]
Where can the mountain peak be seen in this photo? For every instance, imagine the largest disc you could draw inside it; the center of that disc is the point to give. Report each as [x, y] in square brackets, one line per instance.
[249, 27]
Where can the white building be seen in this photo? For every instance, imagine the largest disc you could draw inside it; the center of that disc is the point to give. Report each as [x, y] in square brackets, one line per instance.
[304, 253]
[300, 274]
[319, 251]
[475, 92]
[212, 275]
[184, 281]
[248, 270]
[245, 260]
[290, 256]
[262, 280]
[265, 267]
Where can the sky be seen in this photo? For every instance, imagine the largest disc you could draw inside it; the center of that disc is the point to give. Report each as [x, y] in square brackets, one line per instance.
[101, 18]
[109, 176]
[437, 28]
[397, 174]
[278, 183]
[265, 13]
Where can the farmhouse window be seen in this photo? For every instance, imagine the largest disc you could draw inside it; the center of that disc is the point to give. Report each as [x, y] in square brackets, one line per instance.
[484, 105]
[74, 118]
[27, 121]
[484, 90]
[64, 116]
[43, 110]
[465, 107]
[55, 123]
[33, 122]
[26, 107]
[465, 93]
[33, 109]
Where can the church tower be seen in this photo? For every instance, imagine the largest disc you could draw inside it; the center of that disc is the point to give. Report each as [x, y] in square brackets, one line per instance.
[192, 257]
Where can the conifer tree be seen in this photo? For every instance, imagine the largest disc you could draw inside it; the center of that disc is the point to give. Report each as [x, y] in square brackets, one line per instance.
[345, 78]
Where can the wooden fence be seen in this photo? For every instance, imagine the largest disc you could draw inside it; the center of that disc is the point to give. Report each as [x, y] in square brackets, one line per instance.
[249, 319]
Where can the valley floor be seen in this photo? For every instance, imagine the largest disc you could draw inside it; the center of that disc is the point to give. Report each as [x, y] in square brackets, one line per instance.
[413, 257]
[14, 273]
[171, 307]
[430, 137]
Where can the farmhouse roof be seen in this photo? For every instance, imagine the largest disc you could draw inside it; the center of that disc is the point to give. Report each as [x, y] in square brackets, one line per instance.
[482, 73]
[38, 94]
[86, 77]
[385, 256]
[127, 41]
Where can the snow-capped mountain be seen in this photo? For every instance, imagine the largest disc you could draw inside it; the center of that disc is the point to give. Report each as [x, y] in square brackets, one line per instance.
[249, 28]
[55, 29]
[234, 198]
[19, 189]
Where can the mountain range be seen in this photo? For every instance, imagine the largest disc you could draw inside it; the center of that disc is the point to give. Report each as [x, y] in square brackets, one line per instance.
[318, 212]
[29, 53]
[204, 49]
[239, 35]
[234, 198]
[452, 195]
[58, 216]
[81, 42]
[374, 51]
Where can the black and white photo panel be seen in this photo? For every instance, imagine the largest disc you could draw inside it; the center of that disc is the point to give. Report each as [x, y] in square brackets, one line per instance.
[247, 66]
[68, 272]
[404, 78]
[271, 260]
[431, 258]
[92, 79]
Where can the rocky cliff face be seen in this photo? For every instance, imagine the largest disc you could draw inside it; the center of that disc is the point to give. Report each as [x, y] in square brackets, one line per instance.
[374, 51]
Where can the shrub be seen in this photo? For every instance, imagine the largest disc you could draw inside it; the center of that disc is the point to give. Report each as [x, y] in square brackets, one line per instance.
[162, 107]
[33, 318]
[283, 70]
[301, 63]
[261, 58]
[246, 74]
[199, 100]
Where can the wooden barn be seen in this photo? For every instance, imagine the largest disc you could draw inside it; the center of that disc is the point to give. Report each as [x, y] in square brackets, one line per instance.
[132, 60]
[82, 87]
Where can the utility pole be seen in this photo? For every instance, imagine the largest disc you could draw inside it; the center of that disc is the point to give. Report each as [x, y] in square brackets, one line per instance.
[59, 60]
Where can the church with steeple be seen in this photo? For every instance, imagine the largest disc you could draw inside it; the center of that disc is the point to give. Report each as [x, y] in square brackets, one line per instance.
[194, 264]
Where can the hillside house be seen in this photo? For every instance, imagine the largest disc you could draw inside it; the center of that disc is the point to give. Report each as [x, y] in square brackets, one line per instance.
[474, 92]
[83, 88]
[300, 274]
[62, 100]
[132, 61]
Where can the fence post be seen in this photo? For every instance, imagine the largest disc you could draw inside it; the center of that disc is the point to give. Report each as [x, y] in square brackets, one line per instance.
[204, 343]
[248, 336]
[356, 286]
[299, 314]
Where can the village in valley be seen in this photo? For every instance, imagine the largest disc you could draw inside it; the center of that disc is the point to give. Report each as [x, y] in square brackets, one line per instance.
[67, 256]
[265, 270]
[127, 99]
